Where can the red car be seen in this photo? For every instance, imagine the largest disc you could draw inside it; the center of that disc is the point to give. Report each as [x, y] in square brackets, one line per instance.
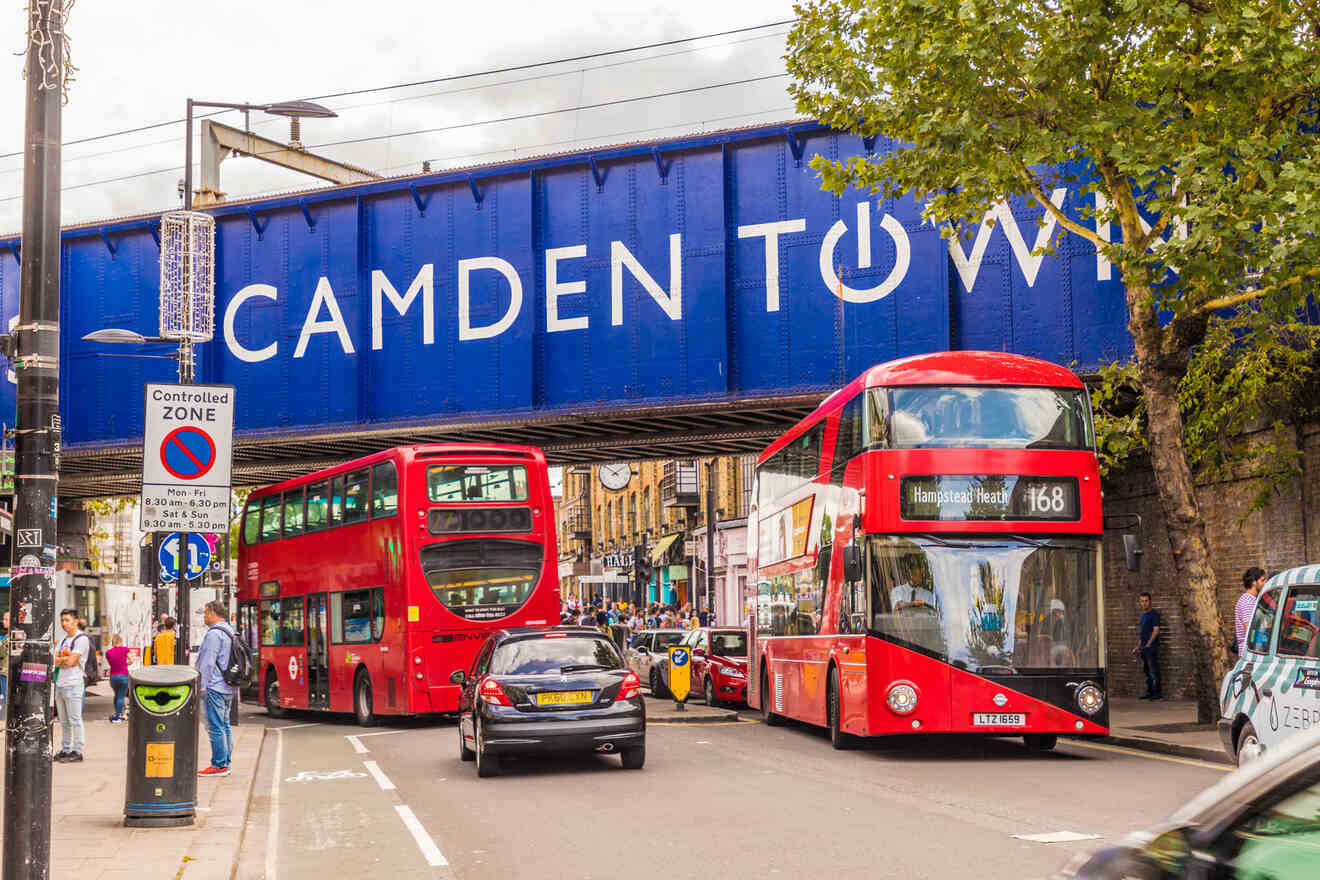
[719, 664]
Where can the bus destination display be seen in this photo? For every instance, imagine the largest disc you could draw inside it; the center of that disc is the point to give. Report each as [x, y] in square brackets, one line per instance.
[989, 497]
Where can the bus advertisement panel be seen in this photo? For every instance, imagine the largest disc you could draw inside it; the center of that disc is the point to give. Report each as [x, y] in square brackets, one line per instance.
[363, 587]
[928, 559]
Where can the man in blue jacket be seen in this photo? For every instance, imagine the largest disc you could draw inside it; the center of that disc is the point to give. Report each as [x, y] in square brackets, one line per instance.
[216, 694]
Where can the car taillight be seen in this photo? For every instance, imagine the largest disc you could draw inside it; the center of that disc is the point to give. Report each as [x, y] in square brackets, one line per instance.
[631, 687]
[492, 693]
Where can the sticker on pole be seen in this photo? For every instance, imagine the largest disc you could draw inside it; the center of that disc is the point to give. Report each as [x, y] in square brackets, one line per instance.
[187, 452]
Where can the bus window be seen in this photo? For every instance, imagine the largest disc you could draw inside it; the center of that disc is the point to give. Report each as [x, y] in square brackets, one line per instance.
[990, 417]
[470, 482]
[252, 523]
[336, 618]
[355, 497]
[270, 622]
[318, 505]
[291, 620]
[377, 613]
[356, 617]
[877, 419]
[384, 490]
[336, 501]
[293, 513]
[903, 606]
[849, 443]
[1262, 621]
[270, 518]
[1299, 633]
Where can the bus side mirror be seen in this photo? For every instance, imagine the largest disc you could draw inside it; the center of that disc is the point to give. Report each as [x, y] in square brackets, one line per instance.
[1132, 552]
[458, 676]
[852, 563]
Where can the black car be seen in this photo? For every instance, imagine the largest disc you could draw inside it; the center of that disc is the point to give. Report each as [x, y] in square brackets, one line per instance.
[561, 689]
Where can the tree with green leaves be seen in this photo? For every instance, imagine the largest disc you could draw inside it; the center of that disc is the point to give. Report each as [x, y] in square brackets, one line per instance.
[1189, 126]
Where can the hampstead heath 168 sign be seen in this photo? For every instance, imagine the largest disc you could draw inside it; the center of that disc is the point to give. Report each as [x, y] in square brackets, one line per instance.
[187, 452]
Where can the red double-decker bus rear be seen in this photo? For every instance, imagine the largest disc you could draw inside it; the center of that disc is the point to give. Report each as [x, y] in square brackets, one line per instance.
[364, 586]
[928, 556]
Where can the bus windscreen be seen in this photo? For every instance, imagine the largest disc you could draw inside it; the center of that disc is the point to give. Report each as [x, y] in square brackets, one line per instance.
[995, 417]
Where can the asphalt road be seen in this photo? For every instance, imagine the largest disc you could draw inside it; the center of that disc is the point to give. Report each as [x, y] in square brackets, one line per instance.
[714, 801]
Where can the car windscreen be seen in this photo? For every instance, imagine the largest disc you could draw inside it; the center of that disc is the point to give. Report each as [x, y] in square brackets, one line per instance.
[664, 640]
[542, 655]
[728, 644]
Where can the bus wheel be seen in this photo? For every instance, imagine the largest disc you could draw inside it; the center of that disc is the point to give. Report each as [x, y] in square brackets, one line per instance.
[767, 716]
[1248, 745]
[1040, 742]
[838, 738]
[363, 708]
[711, 700]
[272, 696]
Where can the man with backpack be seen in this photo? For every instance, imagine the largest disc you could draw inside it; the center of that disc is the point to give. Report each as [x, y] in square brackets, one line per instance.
[70, 664]
[220, 667]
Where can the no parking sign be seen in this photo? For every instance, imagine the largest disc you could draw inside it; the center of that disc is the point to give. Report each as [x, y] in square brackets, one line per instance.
[187, 447]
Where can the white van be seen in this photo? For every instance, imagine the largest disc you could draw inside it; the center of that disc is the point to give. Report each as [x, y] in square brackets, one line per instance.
[1274, 688]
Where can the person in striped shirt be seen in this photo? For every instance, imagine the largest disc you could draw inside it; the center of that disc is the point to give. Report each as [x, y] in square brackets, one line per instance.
[1252, 580]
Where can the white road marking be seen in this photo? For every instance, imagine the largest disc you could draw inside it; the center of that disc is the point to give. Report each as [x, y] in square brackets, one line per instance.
[1057, 837]
[357, 745]
[273, 832]
[355, 739]
[383, 733]
[381, 779]
[430, 851]
[702, 742]
[296, 726]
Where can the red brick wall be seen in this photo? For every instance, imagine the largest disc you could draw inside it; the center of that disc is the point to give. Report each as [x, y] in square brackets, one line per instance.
[1275, 538]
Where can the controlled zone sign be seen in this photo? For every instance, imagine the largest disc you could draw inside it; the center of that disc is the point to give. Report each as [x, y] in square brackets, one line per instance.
[187, 450]
[680, 672]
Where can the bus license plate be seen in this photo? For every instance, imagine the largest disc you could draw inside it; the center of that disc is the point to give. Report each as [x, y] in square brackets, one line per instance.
[999, 719]
[563, 698]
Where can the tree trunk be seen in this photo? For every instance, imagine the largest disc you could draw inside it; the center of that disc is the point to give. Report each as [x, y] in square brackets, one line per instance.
[1160, 364]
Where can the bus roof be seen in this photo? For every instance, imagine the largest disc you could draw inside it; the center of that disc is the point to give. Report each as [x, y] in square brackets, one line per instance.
[410, 453]
[940, 368]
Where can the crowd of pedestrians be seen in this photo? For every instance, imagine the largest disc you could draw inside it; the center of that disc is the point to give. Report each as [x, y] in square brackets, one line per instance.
[620, 619]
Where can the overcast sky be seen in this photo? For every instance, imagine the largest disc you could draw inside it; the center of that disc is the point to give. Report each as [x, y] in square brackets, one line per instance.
[138, 60]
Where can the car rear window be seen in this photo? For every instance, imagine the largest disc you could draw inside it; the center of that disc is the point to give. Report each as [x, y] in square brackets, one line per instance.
[534, 656]
[664, 640]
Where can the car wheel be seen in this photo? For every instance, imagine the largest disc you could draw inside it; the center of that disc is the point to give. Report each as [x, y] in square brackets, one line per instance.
[487, 765]
[768, 716]
[1040, 742]
[658, 690]
[633, 758]
[833, 706]
[1248, 745]
[363, 707]
[464, 753]
[711, 699]
[272, 696]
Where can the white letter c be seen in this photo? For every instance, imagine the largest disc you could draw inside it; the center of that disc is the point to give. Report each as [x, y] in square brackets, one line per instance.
[235, 347]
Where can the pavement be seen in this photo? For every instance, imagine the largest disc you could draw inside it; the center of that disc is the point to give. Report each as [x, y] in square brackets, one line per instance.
[1165, 726]
[89, 840]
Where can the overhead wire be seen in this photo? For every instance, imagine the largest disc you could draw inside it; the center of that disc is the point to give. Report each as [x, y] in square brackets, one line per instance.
[452, 78]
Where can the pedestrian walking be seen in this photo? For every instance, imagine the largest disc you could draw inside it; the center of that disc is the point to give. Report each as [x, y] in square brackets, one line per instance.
[1252, 580]
[70, 661]
[162, 648]
[620, 632]
[212, 658]
[117, 657]
[1148, 646]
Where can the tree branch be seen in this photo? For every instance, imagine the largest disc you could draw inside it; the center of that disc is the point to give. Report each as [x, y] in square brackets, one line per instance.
[1237, 299]
[1033, 186]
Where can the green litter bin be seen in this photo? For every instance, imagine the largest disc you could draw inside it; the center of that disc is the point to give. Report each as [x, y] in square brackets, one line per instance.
[161, 790]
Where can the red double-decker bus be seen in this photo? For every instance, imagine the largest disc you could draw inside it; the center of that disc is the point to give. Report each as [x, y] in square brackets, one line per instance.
[364, 586]
[928, 556]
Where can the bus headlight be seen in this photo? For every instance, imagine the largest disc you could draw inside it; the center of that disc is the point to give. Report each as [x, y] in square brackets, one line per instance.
[902, 699]
[1090, 699]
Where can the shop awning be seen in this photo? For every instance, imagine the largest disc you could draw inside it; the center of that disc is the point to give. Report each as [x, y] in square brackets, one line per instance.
[662, 547]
